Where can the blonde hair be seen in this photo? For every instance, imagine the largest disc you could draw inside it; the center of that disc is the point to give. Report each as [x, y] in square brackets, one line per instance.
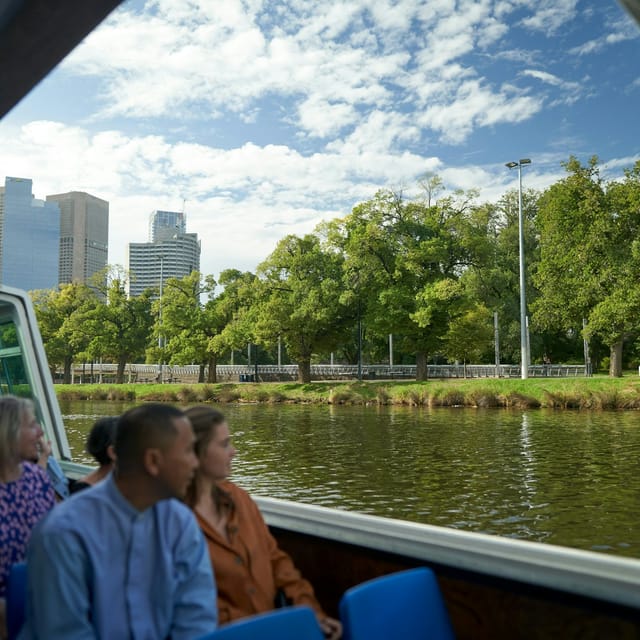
[12, 412]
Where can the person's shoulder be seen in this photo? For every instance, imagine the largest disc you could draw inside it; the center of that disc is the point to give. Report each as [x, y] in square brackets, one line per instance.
[35, 475]
[76, 511]
[174, 508]
[177, 521]
[35, 471]
[233, 489]
[238, 494]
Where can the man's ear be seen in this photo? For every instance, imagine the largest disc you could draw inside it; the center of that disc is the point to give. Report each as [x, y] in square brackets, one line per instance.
[111, 453]
[153, 461]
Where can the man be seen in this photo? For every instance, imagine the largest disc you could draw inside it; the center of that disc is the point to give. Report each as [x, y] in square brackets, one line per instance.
[123, 559]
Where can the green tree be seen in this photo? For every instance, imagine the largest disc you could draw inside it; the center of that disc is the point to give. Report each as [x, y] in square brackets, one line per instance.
[299, 288]
[123, 326]
[589, 265]
[61, 315]
[186, 326]
[235, 308]
[396, 253]
[470, 335]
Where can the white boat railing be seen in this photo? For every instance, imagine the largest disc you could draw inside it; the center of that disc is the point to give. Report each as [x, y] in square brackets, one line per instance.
[573, 571]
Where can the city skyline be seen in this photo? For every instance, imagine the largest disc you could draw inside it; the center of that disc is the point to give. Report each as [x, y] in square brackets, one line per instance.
[257, 120]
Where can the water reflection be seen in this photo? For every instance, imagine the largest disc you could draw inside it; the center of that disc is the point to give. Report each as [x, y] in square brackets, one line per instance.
[563, 477]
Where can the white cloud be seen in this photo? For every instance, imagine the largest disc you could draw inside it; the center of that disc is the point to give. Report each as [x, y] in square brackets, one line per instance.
[476, 105]
[322, 118]
[550, 78]
[620, 31]
[326, 61]
[223, 63]
[549, 15]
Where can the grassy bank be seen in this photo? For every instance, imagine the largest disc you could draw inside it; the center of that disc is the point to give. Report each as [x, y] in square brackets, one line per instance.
[565, 393]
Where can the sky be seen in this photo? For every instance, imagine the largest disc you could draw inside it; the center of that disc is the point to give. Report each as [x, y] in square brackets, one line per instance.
[262, 118]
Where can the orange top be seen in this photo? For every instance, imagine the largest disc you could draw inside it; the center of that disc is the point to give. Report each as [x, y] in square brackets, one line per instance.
[250, 568]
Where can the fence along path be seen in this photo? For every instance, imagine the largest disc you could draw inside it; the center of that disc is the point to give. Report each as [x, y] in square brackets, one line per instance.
[105, 373]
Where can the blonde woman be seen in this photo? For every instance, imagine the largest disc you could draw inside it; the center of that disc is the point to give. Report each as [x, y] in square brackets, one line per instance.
[26, 493]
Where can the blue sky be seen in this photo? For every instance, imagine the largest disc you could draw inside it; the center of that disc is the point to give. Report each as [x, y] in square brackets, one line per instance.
[263, 118]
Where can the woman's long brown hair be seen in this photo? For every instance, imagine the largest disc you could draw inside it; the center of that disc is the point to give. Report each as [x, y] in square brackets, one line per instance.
[205, 420]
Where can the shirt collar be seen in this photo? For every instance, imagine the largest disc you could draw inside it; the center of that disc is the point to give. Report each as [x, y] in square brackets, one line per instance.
[114, 494]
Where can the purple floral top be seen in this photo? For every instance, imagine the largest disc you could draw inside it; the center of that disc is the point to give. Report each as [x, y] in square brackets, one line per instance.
[22, 503]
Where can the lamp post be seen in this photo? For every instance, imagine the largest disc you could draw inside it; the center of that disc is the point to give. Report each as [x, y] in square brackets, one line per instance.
[524, 351]
[160, 336]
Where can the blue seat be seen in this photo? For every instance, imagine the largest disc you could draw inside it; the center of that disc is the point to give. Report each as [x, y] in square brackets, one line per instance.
[407, 604]
[16, 595]
[291, 623]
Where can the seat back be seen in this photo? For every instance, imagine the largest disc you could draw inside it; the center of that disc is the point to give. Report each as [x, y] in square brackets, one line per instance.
[292, 623]
[16, 596]
[407, 604]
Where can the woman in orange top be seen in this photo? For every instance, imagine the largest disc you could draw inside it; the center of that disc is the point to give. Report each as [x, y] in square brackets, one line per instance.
[249, 567]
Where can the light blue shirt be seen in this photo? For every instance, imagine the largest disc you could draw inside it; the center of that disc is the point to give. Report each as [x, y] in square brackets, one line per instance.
[99, 568]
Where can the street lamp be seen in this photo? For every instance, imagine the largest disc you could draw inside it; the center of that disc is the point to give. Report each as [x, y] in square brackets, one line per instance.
[160, 336]
[524, 351]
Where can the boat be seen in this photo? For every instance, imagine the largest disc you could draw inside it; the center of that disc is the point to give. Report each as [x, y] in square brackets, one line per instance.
[493, 587]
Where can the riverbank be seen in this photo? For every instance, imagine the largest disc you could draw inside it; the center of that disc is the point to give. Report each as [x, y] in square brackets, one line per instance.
[560, 393]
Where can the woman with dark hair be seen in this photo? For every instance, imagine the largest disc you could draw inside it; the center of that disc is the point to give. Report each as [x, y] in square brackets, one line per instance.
[100, 446]
[249, 567]
[26, 494]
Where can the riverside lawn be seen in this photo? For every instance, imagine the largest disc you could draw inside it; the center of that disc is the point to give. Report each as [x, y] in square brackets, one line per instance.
[598, 392]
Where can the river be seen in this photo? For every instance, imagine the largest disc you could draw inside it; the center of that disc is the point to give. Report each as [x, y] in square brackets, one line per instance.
[563, 477]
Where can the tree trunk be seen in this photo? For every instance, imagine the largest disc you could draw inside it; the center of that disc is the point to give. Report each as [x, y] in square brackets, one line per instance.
[68, 361]
[122, 363]
[421, 366]
[615, 360]
[213, 373]
[304, 370]
[201, 369]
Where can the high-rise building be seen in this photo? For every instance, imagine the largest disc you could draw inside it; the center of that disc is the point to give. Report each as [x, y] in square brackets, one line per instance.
[84, 235]
[172, 253]
[29, 237]
[166, 224]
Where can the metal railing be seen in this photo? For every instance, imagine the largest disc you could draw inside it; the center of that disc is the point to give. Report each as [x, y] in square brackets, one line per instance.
[106, 373]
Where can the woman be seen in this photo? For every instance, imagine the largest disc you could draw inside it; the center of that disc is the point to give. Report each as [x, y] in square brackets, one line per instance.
[26, 493]
[249, 567]
[100, 446]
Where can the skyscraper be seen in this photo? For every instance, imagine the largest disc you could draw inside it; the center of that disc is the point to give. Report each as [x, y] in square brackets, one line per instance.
[84, 235]
[29, 237]
[166, 224]
[172, 253]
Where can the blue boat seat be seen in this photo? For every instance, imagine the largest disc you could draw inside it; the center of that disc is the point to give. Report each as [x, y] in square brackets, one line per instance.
[407, 604]
[291, 623]
[16, 596]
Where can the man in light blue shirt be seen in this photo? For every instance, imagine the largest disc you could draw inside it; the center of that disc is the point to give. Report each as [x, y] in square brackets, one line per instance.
[124, 559]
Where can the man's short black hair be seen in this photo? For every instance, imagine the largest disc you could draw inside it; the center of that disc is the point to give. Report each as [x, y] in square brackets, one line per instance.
[149, 426]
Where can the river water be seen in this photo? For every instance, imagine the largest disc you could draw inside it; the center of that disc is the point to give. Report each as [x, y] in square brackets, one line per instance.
[569, 478]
